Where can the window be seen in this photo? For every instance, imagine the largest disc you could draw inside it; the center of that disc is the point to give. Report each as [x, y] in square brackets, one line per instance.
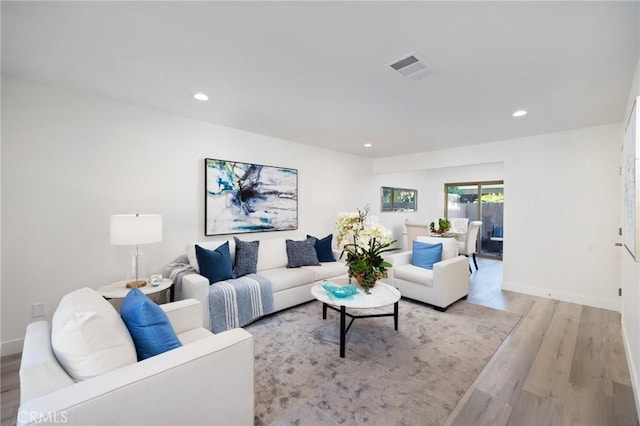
[398, 199]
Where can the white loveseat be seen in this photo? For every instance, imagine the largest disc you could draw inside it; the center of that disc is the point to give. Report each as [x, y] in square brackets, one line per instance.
[207, 381]
[440, 287]
[290, 286]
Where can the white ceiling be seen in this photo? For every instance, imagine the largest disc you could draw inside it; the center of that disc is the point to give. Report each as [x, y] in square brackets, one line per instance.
[316, 73]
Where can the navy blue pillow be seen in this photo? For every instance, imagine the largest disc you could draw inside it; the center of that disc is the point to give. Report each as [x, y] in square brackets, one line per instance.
[215, 264]
[425, 254]
[148, 325]
[323, 248]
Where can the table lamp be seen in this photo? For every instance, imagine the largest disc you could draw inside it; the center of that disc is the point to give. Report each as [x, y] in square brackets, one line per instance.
[135, 230]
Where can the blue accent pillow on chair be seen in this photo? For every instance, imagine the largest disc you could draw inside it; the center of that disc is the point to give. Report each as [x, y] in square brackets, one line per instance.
[148, 325]
[215, 265]
[323, 248]
[425, 254]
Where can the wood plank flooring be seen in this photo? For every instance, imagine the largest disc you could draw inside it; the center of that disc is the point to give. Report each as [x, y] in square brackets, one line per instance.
[9, 389]
[563, 364]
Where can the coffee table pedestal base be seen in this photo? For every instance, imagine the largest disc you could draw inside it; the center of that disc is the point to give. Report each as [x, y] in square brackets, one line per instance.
[344, 328]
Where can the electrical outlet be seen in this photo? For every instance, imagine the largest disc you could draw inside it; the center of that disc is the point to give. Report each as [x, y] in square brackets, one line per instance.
[38, 310]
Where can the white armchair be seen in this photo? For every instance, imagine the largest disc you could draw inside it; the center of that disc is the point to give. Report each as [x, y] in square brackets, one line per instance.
[440, 287]
[207, 381]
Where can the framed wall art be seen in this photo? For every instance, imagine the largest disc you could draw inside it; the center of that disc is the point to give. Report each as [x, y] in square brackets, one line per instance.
[398, 199]
[244, 197]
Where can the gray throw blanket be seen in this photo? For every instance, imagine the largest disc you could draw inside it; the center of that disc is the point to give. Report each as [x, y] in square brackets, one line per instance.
[232, 303]
[175, 271]
[238, 302]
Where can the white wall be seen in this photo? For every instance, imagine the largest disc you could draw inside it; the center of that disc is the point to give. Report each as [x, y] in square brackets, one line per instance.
[71, 160]
[561, 208]
[630, 284]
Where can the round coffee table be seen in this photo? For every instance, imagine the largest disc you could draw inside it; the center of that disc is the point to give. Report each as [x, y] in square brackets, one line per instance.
[382, 294]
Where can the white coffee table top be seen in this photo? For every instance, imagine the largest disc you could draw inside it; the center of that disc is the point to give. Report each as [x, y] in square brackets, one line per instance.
[119, 290]
[382, 294]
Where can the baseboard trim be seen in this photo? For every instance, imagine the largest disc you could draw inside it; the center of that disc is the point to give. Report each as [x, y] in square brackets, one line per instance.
[611, 305]
[633, 369]
[11, 347]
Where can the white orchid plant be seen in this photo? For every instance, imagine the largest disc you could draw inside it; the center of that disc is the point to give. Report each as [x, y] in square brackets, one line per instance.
[363, 241]
[355, 226]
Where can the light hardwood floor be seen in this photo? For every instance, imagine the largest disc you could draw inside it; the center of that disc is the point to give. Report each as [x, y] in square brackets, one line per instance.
[563, 364]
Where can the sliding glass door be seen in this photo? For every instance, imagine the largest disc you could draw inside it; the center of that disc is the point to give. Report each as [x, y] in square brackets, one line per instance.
[482, 201]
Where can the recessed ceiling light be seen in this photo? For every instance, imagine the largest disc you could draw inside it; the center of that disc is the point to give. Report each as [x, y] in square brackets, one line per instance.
[201, 97]
[519, 113]
[367, 145]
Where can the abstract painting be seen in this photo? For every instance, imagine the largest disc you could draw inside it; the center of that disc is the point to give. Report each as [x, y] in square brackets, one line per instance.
[243, 197]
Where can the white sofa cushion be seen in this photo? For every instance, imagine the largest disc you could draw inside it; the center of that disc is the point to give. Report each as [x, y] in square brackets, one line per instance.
[210, 245]
[88, 336]
[414, 274]
[327, 270]
[285, 278]
[449, 245]
[272, 253]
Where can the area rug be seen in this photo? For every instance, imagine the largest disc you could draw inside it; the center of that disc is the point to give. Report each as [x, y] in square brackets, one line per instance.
[413, 376]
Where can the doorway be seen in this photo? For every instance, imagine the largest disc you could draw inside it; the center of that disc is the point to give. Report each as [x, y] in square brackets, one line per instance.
[482, 201]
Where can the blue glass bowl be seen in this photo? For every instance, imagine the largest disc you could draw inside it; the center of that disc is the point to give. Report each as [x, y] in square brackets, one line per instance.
[340, 291]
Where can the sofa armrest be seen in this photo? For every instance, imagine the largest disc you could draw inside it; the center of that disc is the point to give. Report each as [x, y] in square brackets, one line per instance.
[209, 381]
[195, 286]
[451, 276]
[184, 315]
[40, 372]
[399, 258]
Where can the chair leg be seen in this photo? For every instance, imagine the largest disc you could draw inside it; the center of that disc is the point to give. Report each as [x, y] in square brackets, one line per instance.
[470, 270]
[475, 261]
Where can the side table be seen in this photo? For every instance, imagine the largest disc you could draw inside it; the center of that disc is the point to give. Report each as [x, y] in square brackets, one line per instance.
[118, 290]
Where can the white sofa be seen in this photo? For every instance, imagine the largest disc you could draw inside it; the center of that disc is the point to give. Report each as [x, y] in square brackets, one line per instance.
[290, 286]
[207, 381]
[440, 287]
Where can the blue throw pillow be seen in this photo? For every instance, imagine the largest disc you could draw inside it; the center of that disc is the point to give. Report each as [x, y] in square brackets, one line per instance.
[301, 253]
[425, 254]
[215, 264]
[246, 257]
[148, 325]
[323, 248]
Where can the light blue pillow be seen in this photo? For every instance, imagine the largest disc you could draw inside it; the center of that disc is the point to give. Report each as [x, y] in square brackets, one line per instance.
[215, 265]
[425, 254]
[148, 325]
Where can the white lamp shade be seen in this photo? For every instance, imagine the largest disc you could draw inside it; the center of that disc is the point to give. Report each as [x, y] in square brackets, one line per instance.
[134, 229]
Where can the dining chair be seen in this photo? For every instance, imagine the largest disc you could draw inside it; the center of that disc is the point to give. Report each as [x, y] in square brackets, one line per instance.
[468, 247]
[415, 229]
[459, 224]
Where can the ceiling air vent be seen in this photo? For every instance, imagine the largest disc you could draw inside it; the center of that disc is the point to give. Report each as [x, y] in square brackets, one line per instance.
[413, 67]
